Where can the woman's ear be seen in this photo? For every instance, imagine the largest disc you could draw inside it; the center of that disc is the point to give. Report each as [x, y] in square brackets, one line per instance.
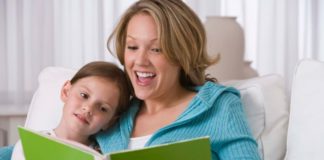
[65, 91]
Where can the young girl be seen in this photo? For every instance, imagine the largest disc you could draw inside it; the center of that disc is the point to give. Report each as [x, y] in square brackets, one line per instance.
[93, 100]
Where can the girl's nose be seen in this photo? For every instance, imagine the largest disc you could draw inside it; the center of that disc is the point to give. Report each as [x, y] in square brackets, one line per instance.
[87, 109]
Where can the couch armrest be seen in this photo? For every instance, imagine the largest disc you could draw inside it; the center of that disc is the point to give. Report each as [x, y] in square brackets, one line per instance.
[306, 131]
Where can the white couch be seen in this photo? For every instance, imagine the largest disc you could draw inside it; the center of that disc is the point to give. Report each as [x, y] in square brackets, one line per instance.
[266, 104]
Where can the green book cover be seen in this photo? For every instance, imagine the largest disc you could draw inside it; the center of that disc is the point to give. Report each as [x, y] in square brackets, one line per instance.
[38, 146]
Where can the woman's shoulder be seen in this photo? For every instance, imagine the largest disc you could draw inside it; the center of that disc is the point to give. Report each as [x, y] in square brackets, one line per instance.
[211, 91]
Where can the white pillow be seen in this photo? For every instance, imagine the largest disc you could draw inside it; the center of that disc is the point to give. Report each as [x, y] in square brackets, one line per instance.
[46, 106]
[266, 106]
[306, 129]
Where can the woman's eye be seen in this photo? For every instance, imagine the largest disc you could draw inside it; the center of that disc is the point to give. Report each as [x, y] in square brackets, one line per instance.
[83, 95]
[157, 50]
[132, 47]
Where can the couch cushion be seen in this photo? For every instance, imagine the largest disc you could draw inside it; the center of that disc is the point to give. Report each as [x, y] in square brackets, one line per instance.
[306, 129]
[46, 106]
[266, 106]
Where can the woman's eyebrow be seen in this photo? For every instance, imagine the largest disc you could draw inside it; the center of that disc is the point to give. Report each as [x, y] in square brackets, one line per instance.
[129, 36]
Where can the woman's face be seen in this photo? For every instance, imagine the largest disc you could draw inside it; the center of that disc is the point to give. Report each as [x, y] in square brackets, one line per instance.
[151, 74]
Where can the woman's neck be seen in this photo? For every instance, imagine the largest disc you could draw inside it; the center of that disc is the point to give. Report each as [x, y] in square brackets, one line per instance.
[157, 113]
[176, 98]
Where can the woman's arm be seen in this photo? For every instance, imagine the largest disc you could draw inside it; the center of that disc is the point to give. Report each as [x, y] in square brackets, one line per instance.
[237, 139]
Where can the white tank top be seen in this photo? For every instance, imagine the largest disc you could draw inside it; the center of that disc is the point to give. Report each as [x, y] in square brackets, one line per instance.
[138, 142]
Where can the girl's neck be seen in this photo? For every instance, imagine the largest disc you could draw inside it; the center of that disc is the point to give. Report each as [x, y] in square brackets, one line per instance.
[64, 133]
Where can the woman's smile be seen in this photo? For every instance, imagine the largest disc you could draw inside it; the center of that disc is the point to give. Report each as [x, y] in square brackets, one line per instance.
[144, 78]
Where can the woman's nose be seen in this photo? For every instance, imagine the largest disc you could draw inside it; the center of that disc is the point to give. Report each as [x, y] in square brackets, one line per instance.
[142, 58]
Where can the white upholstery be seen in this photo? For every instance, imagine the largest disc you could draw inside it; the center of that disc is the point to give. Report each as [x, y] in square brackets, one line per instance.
[306, 129]
[263, 98]
[264, 102]
[266, 106]
[46, 106]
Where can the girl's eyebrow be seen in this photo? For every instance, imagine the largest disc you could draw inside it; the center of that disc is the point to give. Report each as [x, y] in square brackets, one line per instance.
[85, 88]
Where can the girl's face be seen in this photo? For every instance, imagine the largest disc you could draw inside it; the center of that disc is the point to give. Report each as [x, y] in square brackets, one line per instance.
[151, 74]
[89, 104]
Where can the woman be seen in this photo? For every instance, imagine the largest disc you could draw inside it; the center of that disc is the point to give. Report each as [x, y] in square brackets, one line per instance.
[162, 45]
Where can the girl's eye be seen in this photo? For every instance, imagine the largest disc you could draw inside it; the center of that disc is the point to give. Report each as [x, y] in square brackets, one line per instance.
[83, 95]
[103, 109]
[132, 47]
[157, 50]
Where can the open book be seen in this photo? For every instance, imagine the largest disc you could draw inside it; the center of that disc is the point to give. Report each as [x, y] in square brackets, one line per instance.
[39, 146]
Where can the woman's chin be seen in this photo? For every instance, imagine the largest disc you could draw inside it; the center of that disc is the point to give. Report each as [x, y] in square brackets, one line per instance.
[141, 96]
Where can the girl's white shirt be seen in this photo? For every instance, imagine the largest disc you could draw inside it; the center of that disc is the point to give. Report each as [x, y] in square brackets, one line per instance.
[138, 142]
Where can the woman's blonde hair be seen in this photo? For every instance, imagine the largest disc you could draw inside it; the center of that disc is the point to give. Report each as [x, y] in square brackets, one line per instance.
[181, 35]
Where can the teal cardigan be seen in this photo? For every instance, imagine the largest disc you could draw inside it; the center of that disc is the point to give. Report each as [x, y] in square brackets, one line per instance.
[5, 152]
[216, 111]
